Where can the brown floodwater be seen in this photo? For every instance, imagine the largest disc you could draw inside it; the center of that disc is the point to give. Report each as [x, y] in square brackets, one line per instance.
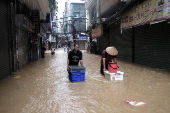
[43, 87]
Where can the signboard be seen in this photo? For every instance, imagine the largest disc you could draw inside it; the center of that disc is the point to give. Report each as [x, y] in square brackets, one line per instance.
[81, 38]
[148, 12]
[105, 5]
[26, 22]
[36, 20]
[31, 26]
[42, 30]
[97, 32]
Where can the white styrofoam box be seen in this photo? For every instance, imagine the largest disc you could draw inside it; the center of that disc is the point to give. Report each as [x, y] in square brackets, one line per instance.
[116, 76]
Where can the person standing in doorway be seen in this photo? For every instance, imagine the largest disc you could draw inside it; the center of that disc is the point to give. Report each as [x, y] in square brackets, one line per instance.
[74, 57]
[108, 55]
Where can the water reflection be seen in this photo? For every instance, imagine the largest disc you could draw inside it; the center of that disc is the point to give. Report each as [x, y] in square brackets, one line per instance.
[43, 87]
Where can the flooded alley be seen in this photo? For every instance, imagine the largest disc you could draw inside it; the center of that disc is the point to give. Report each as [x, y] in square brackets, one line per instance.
[43, 87]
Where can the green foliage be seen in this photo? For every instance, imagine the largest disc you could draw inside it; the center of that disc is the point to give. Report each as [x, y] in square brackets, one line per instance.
[89, 28]
[52, 5]
[168, 21]
[65, 28]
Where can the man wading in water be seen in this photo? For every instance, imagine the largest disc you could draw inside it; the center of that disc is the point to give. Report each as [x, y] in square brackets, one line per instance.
[74, 57]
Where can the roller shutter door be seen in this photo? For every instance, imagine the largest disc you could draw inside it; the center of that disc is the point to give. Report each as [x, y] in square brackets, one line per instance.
[152, 45]
[23, 48]
[5, 67]
[123, 43]
[81, 45]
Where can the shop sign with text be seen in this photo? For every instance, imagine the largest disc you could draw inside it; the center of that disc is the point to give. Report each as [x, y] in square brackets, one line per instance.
[97, 32]
[148, 12]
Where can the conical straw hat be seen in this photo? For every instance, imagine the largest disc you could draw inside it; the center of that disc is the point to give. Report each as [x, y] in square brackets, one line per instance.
[111, 51]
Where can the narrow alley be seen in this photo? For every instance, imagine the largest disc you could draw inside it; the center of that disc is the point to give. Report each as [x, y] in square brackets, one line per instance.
[43, 87]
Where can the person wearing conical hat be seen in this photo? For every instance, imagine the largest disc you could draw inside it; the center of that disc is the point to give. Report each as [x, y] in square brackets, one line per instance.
[108, 55]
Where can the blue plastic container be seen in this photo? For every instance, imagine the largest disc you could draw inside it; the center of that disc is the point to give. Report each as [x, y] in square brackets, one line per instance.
[77, 76]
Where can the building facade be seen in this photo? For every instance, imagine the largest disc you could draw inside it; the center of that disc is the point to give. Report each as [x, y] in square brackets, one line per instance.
[137, 28]
[22, 33]
[77, 18]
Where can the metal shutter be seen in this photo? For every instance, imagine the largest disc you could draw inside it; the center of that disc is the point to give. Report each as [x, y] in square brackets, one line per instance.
[103, 41]
[123, 43]
[152, 45]
[23, 48]
[81, 44]
[5, 68]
